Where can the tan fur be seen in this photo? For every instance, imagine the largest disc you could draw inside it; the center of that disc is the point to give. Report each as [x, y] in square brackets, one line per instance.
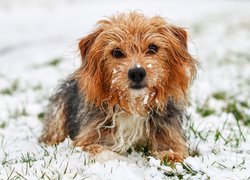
[56, 130]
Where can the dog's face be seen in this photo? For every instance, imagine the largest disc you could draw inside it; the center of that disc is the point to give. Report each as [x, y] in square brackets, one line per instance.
[135, 62]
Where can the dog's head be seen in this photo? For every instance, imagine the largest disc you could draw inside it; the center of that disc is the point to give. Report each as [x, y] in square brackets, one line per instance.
[135, 62]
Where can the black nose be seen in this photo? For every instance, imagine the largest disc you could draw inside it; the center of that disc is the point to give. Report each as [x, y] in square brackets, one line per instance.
[137, 74]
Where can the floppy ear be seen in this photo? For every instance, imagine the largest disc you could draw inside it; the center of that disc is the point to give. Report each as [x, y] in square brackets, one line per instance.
[181, 34]
[90, 75]
[86, 42]
[164, 28]
[181, 63]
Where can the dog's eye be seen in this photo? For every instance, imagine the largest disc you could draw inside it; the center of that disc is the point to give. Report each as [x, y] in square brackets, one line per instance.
[152, 49]
[117, 53]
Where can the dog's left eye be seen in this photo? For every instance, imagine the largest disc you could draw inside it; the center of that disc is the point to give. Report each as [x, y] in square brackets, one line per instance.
[117, 53]
[152, 49]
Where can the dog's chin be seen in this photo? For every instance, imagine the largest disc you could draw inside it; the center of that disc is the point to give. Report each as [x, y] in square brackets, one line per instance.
[139, 92]
[139, 99]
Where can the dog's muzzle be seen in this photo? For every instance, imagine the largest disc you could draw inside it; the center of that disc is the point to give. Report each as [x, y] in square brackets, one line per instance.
[137, 77]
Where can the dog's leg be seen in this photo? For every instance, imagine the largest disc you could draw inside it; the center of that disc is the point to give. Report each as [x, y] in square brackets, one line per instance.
[95, 144]
[55, 130]
[170, 145]
[88, 142]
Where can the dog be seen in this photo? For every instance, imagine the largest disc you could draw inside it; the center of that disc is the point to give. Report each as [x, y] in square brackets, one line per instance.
[130, 90]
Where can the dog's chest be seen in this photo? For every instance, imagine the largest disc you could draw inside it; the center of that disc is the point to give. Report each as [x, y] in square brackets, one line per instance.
[130, 122]
[131, 128]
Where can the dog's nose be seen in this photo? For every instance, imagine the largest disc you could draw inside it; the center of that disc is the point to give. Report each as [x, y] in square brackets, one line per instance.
[137, 74]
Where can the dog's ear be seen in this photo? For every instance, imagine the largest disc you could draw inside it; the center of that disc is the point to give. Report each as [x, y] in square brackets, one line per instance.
[166, 28]
[91, 73]
[181, 34]
[86, 42]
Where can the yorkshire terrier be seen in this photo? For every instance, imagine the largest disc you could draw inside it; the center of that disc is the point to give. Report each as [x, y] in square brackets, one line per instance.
[130, 90]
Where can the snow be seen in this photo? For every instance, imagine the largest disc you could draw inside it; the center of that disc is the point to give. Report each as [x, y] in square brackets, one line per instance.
[145, 100]
[149, 66]
[34, 34]
[138, 65]
[114, 71]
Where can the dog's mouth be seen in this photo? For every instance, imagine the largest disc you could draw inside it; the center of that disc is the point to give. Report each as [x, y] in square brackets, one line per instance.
[135, 93]
[138, 86]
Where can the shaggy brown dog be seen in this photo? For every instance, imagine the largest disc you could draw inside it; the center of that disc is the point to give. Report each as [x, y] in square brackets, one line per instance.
[130, 90]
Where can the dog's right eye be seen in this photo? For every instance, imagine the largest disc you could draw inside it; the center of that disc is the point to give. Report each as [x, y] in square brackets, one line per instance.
[117, 53]
[152, 49]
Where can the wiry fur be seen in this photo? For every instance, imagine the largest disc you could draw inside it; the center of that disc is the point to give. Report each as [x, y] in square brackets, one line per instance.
[98, 110]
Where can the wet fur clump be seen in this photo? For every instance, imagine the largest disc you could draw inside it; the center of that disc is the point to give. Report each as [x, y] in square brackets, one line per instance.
[96, 106]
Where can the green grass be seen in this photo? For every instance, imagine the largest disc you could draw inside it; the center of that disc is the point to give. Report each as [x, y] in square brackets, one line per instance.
[205, 111]
[176, 175]
[144, 149]
[233, 106]
[54, 62]
[41, 115]
[3, 125]
[5, 159]
[230, 135]
[37, 87]
[28, 158]
[12, 89]
[221, 95]
[237, 110]
[18, 113]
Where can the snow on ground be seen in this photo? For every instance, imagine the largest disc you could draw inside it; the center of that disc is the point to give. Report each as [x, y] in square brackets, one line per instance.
[38, 47]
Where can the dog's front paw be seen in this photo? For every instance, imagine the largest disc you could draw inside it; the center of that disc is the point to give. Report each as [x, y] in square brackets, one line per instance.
[107, 155]
[170, 156]
[101, 154]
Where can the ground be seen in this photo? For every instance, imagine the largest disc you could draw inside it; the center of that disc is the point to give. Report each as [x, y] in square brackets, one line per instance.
[38, 48]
